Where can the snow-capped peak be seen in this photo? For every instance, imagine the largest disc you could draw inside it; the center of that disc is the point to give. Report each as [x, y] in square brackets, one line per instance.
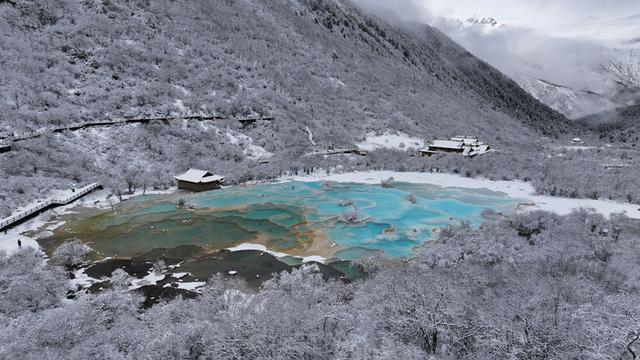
[485, 21]
[485, 24]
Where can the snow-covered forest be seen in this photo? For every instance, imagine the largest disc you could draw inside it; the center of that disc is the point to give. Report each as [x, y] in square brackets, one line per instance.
[531, 285]
[298, 61]
[535, 286]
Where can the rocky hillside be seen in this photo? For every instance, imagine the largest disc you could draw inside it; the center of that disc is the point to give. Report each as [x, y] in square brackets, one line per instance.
[316, 62]
[323, 69]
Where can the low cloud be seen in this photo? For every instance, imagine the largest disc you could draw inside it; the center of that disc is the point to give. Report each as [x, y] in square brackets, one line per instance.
[402, 10]
[516, 50]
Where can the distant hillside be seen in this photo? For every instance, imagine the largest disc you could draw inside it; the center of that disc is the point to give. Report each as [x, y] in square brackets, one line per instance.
[317, 62]
[620, 125]
[576, 77]
[572, 102]
[324, 70]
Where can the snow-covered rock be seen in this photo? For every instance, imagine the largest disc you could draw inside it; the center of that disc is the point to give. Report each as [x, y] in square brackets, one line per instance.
[249, 149]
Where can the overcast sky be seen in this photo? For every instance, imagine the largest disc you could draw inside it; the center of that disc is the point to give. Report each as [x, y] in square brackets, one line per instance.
[591, 18]
[597, 19]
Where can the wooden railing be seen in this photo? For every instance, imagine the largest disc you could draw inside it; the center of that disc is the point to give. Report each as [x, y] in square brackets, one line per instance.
[356, 151]
[77, 194]
[19, 216]
[126, 120]
[8, 221]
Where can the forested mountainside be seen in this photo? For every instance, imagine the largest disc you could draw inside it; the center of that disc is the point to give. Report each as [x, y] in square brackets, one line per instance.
[538, 286]
[620, 126]
[325, 71]
[571, 102]
[575, 76]
[300, 60]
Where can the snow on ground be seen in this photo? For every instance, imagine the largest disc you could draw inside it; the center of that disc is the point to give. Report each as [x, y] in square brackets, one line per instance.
[179, 104]
[513, 189]
[151, 279]
[313, 142]
[336, 82]
[251, 151]
[182, 89]
[313, 258]
[191, 286]
[258, 247]
[577, 147]
[9, 243]
[9, 240]
[398, 141]
[81, 280]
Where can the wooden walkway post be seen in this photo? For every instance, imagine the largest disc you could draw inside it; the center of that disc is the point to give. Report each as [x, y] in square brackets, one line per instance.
[50, 203]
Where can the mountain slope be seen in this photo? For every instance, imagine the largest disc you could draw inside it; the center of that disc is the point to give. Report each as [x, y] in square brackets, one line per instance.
[573, 76]
[71, 60]
[572, 102]
[620, 125]
[317, 66]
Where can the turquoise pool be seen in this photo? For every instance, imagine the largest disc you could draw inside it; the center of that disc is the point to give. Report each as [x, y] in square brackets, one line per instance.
[335, 220]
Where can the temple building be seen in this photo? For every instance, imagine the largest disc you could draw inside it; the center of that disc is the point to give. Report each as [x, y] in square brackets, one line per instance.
[465, 145]
[199, 180]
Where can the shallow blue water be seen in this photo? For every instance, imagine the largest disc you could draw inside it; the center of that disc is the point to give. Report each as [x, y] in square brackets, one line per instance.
[393, 223]
[289, 217]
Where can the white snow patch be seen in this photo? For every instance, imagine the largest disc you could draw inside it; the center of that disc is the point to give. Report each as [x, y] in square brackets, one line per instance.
[513, 189]
[314, 258]
[81, 280]
[9, 243]
[179, 275]
[182, 90]
[313, 142]
[250, 150]
[258, 247]
[398, 141]
[179, 104]
[578, 147]
[191, 286]
[151, 279]
[336, 82]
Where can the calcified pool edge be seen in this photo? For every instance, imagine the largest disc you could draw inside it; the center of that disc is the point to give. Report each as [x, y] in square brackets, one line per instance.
[327, 220]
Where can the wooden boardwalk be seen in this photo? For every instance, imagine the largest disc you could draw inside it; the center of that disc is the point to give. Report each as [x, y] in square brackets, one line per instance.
[356, 151]
[46, 204]
[5, 144]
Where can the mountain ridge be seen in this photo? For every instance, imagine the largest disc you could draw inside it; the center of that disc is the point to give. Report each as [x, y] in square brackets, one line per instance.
[600, 78]
[362, 37]
[319, 67]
